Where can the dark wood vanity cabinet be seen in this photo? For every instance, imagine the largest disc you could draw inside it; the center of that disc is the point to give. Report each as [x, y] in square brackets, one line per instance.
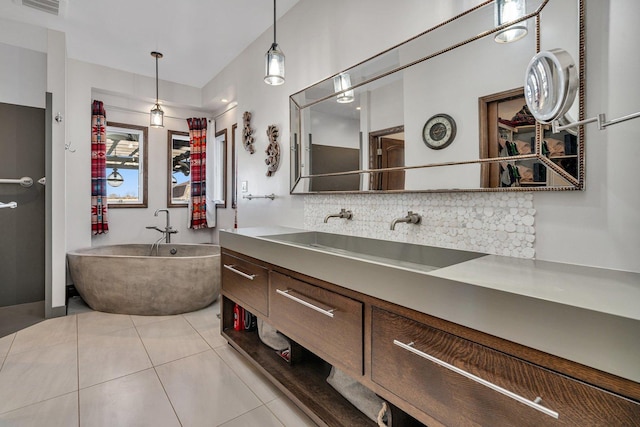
[246, 282]
[438, 372]
[461, 382]
[325, 322]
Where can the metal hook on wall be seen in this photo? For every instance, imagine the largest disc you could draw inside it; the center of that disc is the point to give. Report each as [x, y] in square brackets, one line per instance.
[67, 147]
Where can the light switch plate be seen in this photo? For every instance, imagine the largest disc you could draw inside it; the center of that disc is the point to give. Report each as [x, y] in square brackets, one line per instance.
[245, 186]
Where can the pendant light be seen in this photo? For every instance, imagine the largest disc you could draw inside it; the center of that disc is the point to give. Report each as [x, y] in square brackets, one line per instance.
[274, 59]
[115, 179]
[341, 84]
[157, 115]
[507, 11]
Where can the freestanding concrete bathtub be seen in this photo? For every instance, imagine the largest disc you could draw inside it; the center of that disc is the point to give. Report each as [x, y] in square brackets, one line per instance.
[128, 279]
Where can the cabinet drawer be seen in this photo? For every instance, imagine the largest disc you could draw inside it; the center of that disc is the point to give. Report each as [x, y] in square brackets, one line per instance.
[324, 322]
[247, 283]
[460, 382]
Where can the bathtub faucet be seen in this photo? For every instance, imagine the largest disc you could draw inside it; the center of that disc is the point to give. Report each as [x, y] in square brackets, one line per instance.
[168, 230]
[156, 244]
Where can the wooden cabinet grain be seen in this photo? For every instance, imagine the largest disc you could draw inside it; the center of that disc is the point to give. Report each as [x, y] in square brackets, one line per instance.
[406, 357]
[461, 382]
[246, 282]
[327, 323]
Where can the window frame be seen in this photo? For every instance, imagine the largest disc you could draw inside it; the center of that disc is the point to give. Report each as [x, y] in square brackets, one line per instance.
[220, 161]
[143, 131]
[171, 202]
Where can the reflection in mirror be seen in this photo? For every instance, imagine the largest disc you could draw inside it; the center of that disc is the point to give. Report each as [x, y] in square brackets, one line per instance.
[126, 165]
[386, 150]
[509, 131]
[218, 173]
[234, 166]
[444, 71]
[179, 184]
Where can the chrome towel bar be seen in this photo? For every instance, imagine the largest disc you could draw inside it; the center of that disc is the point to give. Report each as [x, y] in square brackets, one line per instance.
[25, 181]
[268, 196]
[11, 205]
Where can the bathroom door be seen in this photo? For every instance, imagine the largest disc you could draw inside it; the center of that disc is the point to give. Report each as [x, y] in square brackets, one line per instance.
[22, 230]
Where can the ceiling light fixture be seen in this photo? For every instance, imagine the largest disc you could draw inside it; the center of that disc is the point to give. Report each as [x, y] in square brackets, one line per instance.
[341, 83]
[274, 59]
[115, 179]
[508, 11]
[157, 115]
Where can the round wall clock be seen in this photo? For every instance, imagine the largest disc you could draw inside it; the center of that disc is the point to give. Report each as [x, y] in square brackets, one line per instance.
[439, 131]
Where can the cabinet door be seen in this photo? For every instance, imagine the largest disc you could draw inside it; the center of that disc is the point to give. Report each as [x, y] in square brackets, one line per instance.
[327, 323]
[247, 283]
[460, 382]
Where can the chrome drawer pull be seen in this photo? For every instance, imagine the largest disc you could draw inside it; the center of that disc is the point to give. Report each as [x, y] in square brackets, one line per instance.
[533, 404]
[231, 267]
[306, 304]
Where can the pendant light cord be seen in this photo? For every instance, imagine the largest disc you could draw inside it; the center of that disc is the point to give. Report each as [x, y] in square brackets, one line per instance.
[156, 79]
[274, 22]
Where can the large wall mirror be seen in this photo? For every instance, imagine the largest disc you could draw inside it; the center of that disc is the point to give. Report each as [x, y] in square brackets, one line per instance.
[435, 113]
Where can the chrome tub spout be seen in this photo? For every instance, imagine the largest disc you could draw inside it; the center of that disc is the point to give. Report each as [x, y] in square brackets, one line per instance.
[343, 214]
[411, 218]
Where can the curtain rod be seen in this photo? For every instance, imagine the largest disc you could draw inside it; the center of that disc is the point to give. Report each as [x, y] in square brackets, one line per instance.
[130, 110]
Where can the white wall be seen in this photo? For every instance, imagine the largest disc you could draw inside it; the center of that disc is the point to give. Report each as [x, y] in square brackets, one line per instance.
[334, 130]
[315, 49]
[226, 120]
[597, 227]
[57, 86]
[127, 99]
[23, 73]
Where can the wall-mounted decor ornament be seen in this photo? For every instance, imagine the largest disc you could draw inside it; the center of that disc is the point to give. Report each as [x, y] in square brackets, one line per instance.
[273, 150]
[247, 133]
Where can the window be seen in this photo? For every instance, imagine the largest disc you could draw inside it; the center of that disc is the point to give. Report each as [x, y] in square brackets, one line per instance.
[219, 169]
[179, 185]
[179, 169]
[126, 166]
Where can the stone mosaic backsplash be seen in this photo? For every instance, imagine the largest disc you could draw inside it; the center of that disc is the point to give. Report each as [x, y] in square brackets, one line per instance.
[494, 223]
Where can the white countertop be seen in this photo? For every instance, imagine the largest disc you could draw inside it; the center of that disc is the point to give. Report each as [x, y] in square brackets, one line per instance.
[585, 314]
[607, 291]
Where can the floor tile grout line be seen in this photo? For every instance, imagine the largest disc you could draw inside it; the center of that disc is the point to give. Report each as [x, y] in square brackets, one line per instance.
[78, 363]
[276, 415]
[36, 348]
[168, 397]
[243, 414]
[109, 331]
[153, 366]
[6, 356]
[240, 378]
[198, 332]
[37, 403]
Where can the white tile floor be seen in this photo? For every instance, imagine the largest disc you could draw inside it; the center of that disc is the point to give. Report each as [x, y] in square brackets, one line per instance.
[93, 369]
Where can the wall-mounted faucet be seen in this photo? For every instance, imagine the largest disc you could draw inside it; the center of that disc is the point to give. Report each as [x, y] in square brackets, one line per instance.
[168, 230]
[343, 214]
[411, 218]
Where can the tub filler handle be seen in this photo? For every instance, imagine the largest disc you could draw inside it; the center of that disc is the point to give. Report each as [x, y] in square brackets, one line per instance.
[245, 275]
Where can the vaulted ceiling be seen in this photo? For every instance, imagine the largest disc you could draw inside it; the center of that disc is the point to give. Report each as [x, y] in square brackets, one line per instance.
[197, 37]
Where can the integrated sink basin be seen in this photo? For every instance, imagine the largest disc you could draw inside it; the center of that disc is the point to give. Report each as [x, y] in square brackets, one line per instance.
[424, 258]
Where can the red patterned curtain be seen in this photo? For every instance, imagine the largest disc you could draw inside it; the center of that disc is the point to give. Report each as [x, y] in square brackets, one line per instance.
[99, 223]
[198, 199]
